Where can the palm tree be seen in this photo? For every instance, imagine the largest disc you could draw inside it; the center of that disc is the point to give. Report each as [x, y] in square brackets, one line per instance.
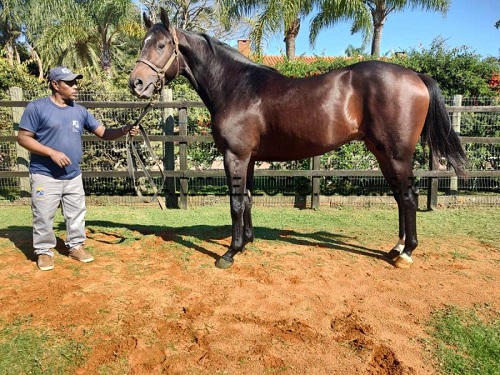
[82, 33]
[269, 17]
[11, 27]
[380, 9]
[352, 51]
[368, 16]
[330, 12]
[112, 19]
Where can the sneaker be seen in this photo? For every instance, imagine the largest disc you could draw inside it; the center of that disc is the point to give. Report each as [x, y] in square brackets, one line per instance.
[45, 262]
[81, 255]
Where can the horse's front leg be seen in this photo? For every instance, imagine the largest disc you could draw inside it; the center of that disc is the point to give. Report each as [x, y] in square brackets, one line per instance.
[236, 173]
[247, 216]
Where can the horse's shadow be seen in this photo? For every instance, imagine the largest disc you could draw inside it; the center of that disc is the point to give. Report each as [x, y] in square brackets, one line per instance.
[191, 236]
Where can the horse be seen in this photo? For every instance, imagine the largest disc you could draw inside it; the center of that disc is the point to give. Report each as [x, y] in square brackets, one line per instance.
[258, 114]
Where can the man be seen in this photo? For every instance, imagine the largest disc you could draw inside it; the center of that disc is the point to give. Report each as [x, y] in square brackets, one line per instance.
[51, 129]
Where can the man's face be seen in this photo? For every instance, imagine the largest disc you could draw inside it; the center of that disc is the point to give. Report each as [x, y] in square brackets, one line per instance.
[68, 90]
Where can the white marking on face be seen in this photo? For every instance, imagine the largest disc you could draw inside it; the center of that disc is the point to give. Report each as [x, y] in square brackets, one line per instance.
[148, 39]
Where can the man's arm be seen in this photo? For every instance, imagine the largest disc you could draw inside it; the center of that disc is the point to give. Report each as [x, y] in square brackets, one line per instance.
[27, 139]
[112, 134]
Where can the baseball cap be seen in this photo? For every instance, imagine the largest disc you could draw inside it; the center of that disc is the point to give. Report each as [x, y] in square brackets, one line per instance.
[61, 73]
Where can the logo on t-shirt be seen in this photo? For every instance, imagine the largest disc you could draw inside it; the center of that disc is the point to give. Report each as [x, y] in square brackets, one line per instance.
[76, 126]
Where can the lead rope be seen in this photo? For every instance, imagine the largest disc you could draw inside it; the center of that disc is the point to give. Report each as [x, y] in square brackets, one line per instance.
[132, 154]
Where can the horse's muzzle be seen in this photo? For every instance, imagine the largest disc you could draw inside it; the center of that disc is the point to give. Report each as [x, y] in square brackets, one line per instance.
[141, 89]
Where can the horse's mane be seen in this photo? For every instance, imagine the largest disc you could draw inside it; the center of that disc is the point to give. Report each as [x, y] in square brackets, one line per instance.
[219, 48]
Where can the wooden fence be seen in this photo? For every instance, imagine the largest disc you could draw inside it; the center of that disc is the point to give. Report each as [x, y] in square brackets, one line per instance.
[183, 139]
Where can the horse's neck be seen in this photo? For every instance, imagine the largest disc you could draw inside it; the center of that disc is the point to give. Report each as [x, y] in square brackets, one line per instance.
[208, 66]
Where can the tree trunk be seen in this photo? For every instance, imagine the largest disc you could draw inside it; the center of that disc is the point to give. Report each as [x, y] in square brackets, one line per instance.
[106, 58]
[290, 35]
[290, 47]
[378, 16]
[38, 60]
[377, 37]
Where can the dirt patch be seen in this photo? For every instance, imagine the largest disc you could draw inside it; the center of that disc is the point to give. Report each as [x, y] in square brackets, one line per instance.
[155, 305]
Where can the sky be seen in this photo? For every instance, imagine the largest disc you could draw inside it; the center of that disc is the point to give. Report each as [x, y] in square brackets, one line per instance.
[468, 23]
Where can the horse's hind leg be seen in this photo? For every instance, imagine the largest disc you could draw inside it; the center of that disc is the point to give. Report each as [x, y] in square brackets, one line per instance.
[406, 195]
[407, 198]
[399, 175]
[400, 244]
[236, 173]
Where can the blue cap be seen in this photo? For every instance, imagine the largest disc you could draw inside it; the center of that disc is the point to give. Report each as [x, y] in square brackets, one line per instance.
[61, 73]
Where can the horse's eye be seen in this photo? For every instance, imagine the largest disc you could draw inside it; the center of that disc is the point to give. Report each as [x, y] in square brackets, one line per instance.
[161, 45]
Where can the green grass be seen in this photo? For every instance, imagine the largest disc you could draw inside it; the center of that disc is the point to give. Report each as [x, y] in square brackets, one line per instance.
[29, 351]
[464, 343]
[365, 225]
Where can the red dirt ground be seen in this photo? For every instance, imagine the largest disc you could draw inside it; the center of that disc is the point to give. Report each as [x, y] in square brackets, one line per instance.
[153, 306]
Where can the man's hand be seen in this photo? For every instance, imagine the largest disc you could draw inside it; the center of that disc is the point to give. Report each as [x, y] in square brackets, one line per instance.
[134, 131]
[60, 158]
[130, 129]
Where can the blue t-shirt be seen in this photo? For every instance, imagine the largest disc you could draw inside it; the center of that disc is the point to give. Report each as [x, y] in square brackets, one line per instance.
[60, 128]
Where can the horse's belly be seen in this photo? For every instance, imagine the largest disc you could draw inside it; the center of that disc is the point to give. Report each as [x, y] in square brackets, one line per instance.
[288, 149]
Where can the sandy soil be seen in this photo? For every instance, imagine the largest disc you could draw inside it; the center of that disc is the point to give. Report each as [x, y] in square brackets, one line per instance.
[152, 305]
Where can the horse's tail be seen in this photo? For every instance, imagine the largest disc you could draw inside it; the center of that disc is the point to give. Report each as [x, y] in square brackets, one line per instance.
[438, 132]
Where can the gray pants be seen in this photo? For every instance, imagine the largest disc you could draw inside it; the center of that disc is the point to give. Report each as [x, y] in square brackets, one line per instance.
[46, 194]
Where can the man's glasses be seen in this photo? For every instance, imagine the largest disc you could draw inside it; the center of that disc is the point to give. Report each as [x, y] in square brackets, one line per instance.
[70, 83]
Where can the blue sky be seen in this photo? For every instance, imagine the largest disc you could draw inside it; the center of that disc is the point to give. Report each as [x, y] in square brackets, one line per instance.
[467, 23]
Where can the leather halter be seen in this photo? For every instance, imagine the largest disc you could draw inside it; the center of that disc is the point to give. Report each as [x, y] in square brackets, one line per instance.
[161, 71]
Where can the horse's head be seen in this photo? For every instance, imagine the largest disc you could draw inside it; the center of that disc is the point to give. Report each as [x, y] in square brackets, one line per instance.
[159, 59]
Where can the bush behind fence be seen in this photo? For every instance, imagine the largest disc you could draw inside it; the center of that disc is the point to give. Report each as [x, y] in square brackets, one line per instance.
[202, 156]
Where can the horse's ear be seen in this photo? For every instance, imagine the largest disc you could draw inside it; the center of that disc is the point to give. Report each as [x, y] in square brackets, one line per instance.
[147, 21]
[164, 18]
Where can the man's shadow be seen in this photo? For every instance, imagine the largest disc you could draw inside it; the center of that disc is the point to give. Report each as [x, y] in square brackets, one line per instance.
[22, 238]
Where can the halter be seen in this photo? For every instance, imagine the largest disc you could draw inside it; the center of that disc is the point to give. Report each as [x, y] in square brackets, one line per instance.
[161, 72]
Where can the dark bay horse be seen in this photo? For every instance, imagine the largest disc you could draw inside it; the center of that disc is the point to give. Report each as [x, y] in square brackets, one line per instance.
[260, 115]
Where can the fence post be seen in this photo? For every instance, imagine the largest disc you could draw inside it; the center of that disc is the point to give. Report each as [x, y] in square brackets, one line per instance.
[455, 123]
[168, 121]
[183, 122]
[22, 155]
[315, 188]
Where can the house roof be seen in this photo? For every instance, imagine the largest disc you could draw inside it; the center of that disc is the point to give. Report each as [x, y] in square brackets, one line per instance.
[244, 48]
[274, 60]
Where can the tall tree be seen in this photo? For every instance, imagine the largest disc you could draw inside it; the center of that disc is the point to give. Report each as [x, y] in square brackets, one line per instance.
[270, 17]
[330, 12]
[112, 19]
[368, 16]
[203, 16]
[380, 9]
[11, 26]
[82, 33]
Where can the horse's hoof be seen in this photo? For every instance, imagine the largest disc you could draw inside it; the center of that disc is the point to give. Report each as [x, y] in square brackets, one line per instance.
[224, 263]
[403, 261]
[393, 254]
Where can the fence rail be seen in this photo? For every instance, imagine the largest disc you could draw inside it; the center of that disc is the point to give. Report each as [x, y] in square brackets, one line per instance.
[182, 140]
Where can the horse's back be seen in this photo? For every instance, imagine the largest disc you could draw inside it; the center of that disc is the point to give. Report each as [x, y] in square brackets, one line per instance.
[294, 118]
